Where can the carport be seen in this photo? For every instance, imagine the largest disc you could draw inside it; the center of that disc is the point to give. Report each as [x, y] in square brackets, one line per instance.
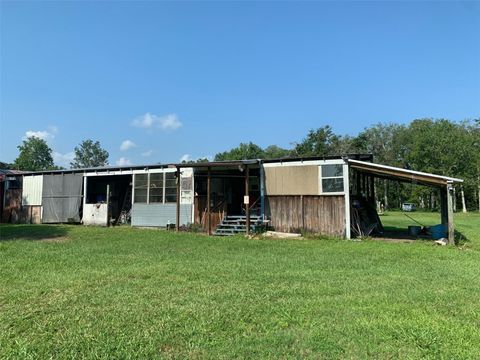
[365, 172]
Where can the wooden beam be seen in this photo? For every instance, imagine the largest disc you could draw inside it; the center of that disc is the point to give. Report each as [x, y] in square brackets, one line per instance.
[247, 198]
[209, 231]
[451, 226]
[443, 206]
[372, 190]
[357, 183]
[262, 192]
[177, 220]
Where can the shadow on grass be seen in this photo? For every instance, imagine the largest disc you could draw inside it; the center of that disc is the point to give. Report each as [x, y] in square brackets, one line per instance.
[393, 232]
[10, 232]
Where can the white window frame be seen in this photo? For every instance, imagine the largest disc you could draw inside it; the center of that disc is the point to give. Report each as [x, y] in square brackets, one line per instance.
[148, 172]
[321, 177]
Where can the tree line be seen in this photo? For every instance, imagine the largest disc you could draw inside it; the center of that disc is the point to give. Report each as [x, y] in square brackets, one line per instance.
[438, 146]
[36, 155]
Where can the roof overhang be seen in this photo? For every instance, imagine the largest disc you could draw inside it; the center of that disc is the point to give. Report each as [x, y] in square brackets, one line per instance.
[404, 175]
[218, 164]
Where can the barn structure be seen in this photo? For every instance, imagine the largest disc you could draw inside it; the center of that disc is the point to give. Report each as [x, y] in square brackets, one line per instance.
[327, 195]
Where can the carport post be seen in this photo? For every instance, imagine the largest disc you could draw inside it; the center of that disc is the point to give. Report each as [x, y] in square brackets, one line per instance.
[209, 231]
[177, 220]
[443, 206]
[451, 226]
[247, 199]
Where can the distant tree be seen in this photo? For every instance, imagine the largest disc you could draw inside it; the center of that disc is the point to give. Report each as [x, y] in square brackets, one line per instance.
[320, 142]
[276, 152]
[381, 140]
[198, 161]
[89, 154]
[35, 155]
[242, 152]
[5, 166]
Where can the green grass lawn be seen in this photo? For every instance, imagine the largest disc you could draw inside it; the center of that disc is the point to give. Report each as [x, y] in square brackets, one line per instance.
[78, 292]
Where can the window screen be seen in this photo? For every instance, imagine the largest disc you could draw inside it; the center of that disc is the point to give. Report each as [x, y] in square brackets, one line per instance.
[332, 178]
[141, 188]
[332, 171]
[170, 187]
[156, 188]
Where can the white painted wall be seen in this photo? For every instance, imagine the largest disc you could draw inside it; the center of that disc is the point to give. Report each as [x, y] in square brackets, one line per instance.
[95, 214]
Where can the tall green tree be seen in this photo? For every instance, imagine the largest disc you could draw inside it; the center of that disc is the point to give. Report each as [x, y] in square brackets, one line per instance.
[35, 155]
[276, 152]
[89, 154]
[242, 152]
[319, 142]
[381, 140]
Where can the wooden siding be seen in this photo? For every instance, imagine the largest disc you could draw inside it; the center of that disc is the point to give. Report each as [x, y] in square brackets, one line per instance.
[292, 180]
[218, 210]
[312, 213]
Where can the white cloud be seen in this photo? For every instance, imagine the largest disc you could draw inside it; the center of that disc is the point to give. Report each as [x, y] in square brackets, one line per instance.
[147, 153]
[127, 144]
[166, 122]
[123, 162]
[63, 160]
[186, 158]
[41, 134]
[169, 122]
[53, 129]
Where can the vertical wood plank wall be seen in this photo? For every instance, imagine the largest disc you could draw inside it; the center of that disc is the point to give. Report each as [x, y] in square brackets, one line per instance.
[313, 213]
[217, 211]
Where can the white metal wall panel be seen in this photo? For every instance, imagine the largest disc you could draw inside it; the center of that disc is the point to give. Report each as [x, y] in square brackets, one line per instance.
[32, 190]
[160, 214]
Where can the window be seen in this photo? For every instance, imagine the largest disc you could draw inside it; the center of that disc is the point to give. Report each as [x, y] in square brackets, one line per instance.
[332, 178]
[141, 188]
[156, 188]
[170, 187]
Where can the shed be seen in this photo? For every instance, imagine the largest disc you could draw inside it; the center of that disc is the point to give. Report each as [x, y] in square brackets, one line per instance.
[312, 194]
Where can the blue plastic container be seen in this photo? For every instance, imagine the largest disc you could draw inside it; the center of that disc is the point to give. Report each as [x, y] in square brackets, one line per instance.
[438, 231]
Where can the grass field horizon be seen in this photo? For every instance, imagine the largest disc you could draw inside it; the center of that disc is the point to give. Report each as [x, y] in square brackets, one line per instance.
[88, 292]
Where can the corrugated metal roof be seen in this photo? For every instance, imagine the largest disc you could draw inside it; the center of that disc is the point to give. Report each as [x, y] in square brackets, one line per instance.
[392, 172]
[228, 163]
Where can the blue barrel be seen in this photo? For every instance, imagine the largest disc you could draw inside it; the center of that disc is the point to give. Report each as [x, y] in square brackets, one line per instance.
[438, 231]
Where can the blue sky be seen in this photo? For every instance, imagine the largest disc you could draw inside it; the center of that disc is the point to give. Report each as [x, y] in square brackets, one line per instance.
[158, 81]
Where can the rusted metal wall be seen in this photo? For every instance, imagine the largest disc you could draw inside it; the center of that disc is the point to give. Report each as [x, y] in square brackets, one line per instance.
[311, 213]
[12, 210]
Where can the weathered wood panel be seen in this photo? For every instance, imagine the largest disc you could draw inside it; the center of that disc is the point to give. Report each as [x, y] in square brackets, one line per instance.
[218, 209]
[312, 213]
[291, 180]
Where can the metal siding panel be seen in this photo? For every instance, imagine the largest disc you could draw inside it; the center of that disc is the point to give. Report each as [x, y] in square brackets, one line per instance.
[32, 190]
[159, 214]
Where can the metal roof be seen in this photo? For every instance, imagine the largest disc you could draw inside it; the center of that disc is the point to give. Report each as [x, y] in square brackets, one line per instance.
[395, 173]
[8, 172]
[228, 163]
